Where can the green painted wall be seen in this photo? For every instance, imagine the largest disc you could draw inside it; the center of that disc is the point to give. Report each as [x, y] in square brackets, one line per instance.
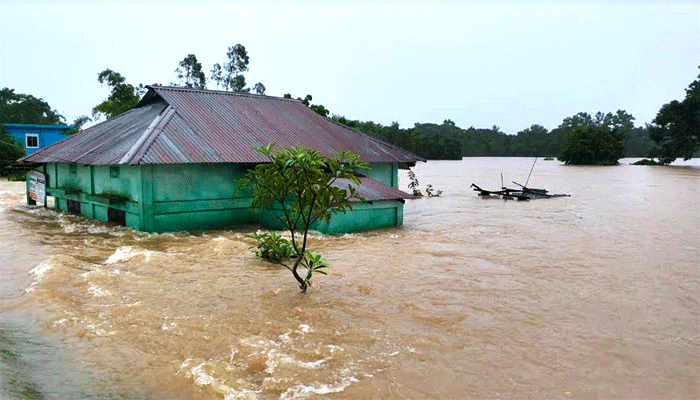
[386, 173]
[198, 196]
[162, 198]
[88, 184]
[362, 217]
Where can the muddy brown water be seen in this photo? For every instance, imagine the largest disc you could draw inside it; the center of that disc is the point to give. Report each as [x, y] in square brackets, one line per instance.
[596, 295]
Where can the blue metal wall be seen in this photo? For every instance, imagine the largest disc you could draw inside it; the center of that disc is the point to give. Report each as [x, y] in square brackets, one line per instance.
[46, 134]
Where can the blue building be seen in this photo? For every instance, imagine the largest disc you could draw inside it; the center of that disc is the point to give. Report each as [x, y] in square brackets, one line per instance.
[35, 137]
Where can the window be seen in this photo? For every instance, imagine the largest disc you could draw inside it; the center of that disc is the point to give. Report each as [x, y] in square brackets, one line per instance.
[114, 172]
[73, 206]
[72, 168]
[32, 140]
[116, 216]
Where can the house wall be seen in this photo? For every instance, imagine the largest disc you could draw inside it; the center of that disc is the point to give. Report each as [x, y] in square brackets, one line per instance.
[386, 173]
[362, 217]
[46, 134]
[97, 188]
[163, 198]
[197, 196]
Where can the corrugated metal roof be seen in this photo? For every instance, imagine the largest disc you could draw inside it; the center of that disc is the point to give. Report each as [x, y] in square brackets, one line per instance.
[102, 144]
[205, 126]
[372, 190]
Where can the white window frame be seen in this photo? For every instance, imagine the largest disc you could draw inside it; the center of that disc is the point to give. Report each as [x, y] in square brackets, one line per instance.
[26, 140]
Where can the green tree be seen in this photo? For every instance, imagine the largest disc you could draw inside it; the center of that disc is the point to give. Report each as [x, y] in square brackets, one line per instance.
[77, 125]
[10, 148]
[303, 188]
[230, 75]
[190, 74]
[318, 108]
[592, 146]
[676, 128]
[123, 97]
[259, 88]
[16, 108]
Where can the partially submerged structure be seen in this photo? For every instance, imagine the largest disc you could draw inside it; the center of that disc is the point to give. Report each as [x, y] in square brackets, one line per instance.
[35, 137]
[172, 162]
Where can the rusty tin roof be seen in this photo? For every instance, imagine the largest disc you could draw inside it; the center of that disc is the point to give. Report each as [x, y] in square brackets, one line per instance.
[372, 190]
[172, 125]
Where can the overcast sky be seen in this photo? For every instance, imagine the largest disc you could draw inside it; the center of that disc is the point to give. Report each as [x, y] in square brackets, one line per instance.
[510, 64]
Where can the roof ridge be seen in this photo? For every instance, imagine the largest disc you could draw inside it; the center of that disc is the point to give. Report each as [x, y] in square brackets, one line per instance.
[148, 137]
[221, 92]
[370, 137]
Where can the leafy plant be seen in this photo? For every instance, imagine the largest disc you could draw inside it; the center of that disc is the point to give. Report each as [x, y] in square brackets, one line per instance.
[429, 190]
[432, 192]
[414, 184]
[301, 187]
[313, 263]
[273, 247]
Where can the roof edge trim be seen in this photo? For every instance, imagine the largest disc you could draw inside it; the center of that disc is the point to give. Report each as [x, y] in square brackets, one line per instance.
[148, 135]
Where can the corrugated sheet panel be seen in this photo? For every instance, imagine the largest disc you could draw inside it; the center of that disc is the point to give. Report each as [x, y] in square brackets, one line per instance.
[204, 126]
[372, 190]
[214, 126]
[102, 144]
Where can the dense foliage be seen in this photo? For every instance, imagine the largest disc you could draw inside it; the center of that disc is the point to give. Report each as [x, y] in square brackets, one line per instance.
[592, 146]
[676, 128]
[450, 142]
[297, 184]
[10, 148]
[122, 98]
[675, 131]
[190, 73]
[17, 108]
[229, 75]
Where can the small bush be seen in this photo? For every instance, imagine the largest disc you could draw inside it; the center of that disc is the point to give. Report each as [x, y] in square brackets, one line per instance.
[273, 247]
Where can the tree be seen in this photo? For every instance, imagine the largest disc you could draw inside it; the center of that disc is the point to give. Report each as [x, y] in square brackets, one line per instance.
[190, 74]
[317, 108]
[259, 88]
[301, 186]
[123, 97]
[676, 128]
[78, 124]
[592, 146]
[10, 148]
[16, 108]
[230, 75]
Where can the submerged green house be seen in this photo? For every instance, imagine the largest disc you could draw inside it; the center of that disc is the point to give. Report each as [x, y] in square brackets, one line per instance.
[172, 162]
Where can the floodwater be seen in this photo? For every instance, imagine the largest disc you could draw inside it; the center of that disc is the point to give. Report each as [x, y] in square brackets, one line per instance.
[591, 296]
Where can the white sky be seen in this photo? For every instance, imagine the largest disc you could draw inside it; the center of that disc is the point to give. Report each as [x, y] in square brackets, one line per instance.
[511, 64]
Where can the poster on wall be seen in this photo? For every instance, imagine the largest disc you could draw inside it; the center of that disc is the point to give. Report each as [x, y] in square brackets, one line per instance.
[37, 186]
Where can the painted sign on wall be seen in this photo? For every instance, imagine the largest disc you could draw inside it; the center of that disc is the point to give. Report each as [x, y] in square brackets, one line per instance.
[37, 186]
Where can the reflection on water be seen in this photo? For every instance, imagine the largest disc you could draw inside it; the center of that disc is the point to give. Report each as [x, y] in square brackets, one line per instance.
[590, 296]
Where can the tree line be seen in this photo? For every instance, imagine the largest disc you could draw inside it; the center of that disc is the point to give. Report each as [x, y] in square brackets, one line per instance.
[581, 138]
[450, 142]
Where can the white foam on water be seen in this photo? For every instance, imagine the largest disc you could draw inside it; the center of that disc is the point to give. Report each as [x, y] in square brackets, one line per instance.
[275, 358]
[304, 329]
[168, 326]
[40, 272]
[97, 291]
[68, 227]
[302, 391]
[126, 253]
[99, 229]
[285, 337]
[202, 376]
